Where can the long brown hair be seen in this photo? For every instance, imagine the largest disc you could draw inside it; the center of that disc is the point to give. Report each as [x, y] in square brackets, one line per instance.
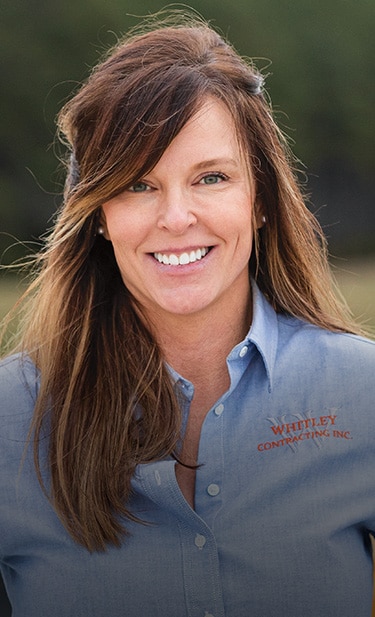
[106, 397]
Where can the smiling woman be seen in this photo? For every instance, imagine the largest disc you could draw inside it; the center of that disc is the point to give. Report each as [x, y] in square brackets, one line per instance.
[193, 210]
[188, 419]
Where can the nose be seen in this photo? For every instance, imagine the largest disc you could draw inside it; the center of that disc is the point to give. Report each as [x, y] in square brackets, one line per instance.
[176, 214]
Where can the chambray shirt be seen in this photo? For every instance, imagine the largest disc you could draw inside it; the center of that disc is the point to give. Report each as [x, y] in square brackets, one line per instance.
[284, 501]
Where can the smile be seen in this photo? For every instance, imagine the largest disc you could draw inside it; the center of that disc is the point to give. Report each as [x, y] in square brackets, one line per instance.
[183, 259]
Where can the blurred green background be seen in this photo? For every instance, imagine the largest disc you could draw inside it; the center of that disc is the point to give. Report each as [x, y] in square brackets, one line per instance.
[318, 56]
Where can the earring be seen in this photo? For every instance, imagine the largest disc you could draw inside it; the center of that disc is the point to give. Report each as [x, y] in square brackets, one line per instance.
[100, 230]
[264, 219]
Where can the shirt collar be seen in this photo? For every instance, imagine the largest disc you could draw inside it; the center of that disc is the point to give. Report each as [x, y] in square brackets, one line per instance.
[263, 332]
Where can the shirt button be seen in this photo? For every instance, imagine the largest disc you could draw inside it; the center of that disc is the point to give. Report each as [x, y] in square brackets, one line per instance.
[219, 410]
[243, 351]
[213, 490]
[199, 541]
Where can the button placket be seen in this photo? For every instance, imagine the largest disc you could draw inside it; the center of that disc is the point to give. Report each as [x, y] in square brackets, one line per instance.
[199, 541]
[209, 477]
[213, 489]
[219, 410]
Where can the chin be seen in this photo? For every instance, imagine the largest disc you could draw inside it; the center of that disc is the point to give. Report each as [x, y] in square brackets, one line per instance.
[181, 307]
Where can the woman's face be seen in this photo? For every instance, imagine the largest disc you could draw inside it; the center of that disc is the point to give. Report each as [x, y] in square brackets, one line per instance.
[182, 235]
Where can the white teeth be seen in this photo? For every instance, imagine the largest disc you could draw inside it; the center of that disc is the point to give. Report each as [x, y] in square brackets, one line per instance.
[183, 259]
[173, 260]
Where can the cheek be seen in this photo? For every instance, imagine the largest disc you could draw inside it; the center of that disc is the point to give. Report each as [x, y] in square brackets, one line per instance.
[238, 221]
[124, 230]
[245, 235]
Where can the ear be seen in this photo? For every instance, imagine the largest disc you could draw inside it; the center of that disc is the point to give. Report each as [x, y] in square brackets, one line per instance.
[260, 218]
[102, 227]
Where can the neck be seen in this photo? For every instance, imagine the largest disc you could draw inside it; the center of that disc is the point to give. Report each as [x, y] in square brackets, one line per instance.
[197, 345]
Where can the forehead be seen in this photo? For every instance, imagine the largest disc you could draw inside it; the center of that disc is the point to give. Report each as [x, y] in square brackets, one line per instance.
[212, 114]
[209, 133]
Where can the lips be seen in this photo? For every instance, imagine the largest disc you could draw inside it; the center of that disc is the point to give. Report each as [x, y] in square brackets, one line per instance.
[171, 259]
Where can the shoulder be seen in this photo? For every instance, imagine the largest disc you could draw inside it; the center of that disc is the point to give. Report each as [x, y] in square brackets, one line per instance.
[19, 384]
[295, 331]
[321, 373]
[18, 371]
[312, 347]
[305, 354]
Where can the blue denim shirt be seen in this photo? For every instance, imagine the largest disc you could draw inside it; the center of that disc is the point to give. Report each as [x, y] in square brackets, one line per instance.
[284, 503]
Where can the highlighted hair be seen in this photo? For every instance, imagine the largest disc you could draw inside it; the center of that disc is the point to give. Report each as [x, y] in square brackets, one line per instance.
[98, 360]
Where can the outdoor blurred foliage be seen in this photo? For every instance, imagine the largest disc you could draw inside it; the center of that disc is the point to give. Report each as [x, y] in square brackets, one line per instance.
[318, 56]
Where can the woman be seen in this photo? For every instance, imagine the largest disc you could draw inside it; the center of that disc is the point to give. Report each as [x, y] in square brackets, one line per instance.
[197, 401]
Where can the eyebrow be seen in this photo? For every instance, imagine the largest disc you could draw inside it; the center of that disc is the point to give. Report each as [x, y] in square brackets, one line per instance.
[212, 163]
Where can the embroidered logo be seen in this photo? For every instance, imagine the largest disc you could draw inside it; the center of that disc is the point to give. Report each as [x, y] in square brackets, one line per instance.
[291, 429]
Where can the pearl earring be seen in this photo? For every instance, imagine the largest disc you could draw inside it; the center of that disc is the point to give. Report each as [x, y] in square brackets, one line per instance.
[100, 230]
[263, 219]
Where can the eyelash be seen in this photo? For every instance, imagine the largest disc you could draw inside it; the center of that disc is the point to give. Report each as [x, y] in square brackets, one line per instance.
[139, 183]
[213, 174]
